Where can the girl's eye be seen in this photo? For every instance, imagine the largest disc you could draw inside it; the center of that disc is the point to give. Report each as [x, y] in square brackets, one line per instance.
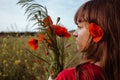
[79, 27]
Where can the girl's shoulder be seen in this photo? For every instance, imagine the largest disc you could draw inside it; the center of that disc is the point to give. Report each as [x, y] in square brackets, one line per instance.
[87, 70]
[91, 67]
[92, 72]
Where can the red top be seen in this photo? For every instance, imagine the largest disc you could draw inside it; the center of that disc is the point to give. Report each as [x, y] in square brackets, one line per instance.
[89, 72]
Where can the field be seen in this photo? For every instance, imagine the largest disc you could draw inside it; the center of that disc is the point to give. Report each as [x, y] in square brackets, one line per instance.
[17, 63]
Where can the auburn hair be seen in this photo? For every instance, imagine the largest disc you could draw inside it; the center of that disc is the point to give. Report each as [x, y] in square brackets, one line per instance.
[104, 13]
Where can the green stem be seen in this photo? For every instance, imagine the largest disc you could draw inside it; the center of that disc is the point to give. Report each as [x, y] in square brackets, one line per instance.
[38, 57]
[62, 54]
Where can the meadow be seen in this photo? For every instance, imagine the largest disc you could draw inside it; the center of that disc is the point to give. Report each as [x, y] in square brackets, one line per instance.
[18, 63]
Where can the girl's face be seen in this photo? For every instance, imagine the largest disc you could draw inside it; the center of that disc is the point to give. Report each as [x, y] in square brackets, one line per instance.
[82, 36]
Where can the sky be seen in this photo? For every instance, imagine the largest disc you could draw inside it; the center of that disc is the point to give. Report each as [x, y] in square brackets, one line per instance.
[12, 17]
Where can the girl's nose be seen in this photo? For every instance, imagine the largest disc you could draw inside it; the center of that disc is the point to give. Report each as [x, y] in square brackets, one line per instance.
[75, 33]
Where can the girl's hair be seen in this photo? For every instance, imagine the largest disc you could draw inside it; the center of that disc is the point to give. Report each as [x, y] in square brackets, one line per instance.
[104, 13]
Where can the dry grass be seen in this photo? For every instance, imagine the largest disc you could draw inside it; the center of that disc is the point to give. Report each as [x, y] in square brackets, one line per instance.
[17, 64]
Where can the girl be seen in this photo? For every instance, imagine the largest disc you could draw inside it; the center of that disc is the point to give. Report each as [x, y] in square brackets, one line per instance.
[98, 38]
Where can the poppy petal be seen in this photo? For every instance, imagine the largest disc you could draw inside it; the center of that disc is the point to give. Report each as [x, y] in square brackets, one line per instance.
[96, 32]
[33, 43]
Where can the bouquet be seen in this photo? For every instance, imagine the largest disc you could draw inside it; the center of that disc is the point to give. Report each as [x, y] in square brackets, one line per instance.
[51, 35]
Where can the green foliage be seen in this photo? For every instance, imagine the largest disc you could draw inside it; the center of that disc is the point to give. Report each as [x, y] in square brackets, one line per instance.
[59, 48]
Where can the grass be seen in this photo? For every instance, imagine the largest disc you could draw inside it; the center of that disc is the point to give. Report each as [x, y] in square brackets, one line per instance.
[17, 64]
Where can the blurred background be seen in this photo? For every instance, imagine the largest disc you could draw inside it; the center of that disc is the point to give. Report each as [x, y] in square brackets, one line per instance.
[16, 62]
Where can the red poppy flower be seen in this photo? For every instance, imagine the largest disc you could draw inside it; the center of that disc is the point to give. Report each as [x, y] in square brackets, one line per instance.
[61, 31]
[96, 32]
[33, 43]
[41, 37]
[47, 21]
[47, 53]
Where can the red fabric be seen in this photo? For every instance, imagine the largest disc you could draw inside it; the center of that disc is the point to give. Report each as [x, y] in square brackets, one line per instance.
[89, 72]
